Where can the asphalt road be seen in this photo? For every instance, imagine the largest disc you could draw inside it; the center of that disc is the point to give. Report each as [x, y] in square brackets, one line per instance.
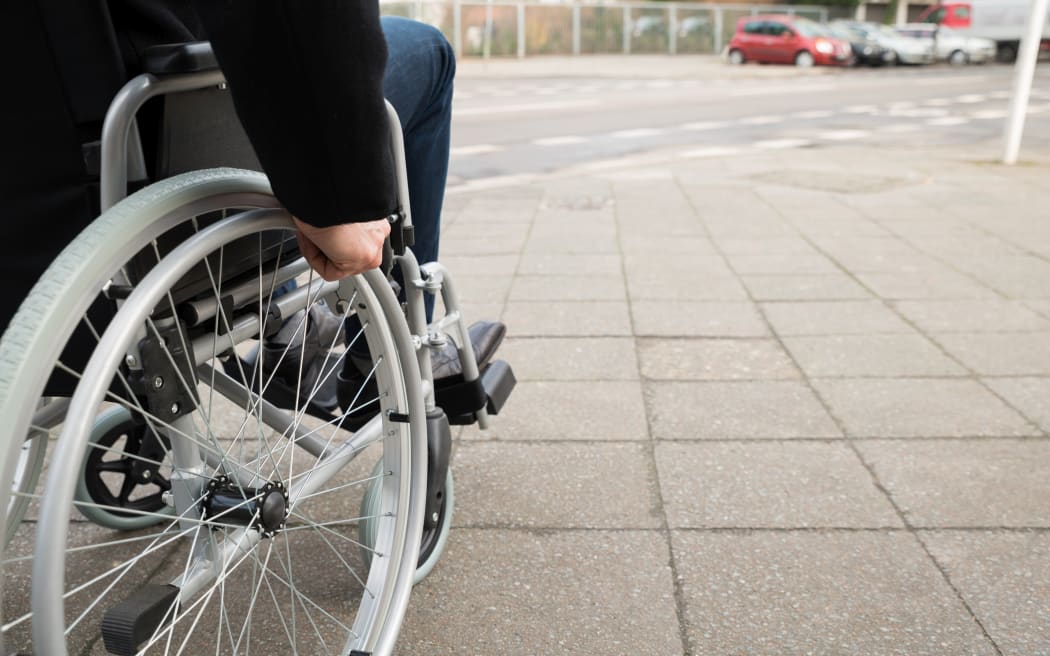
[520, 125]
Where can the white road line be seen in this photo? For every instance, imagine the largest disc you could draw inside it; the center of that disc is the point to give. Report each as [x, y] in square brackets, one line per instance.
[899, 128]
[937, 102]
[989, 114]
[861, 109]
[704, 125]
[782, 144]
[816, 113]
[970, 98]
[468, 151]
[711, 151]
[948, 120]
[770, 90]
[902, 104]
[524, 107]
[843, 135]
[567, 140]
[761, 120]
[638, 133]
[919, 112]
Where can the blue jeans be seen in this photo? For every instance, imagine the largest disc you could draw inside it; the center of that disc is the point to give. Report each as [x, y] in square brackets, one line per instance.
[418, 83]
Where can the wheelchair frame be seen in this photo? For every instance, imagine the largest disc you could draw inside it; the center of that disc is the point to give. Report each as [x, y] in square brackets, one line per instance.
[122, 158]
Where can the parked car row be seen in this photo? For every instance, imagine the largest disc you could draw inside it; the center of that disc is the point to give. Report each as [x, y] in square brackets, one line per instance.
[786, 39]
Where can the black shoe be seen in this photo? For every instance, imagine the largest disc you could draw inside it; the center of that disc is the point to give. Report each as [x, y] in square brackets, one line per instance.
[359, 399]
[302, 346]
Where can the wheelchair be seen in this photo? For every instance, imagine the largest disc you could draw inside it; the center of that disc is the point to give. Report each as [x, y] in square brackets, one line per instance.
[222, 518]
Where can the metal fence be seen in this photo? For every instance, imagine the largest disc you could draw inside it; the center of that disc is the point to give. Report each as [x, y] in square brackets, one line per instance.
[491, 28]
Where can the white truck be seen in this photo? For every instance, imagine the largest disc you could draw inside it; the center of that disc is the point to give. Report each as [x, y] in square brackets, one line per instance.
[1002, 21]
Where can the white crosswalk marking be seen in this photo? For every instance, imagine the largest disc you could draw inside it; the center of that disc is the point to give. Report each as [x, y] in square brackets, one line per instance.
[468, 151]
[948, 120]
[813, 114]
[971, 98]
[638, 133]
[705, 125]
[782, 144]
[989, 114]
[567, 140]
[843, 135]
[861, 109]
[899, 128]
[712, 151]
[761, 120]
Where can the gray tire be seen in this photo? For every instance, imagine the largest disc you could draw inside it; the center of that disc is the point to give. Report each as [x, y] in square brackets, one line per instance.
[367, 612]
[804, 59]
[735, 57]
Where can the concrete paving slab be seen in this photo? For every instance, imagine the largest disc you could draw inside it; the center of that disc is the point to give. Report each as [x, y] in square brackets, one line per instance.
[669, 286]
[804, 288]
[482, 289]
[870, 355]
[572, 358]
[561, 264]
[833, 318]
[836, 592]
[505, 593]
[1029, 395]
[568, 288]
[1003, 577]
[586, 243]
[567, 319]
[786, 245]
[992, 315]
[570, 411]
[660, 246]
[697, 319]
[989, 483]
[769, 485]
[791, 264]
[681, 265]
[481, 265]
[736, 410]
[555, 485]
[931, 283]
[714, 359]
[1005, 354]
[920, 408]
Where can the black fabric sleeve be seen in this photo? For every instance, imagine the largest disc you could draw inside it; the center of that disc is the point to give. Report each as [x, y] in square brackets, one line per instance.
[307, 83]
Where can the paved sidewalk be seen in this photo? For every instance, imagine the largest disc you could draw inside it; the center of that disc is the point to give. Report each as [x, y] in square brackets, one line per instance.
[787, 404]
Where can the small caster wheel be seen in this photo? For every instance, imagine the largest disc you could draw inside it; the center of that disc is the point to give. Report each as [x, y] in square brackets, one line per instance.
[431, 546]
[125, 474]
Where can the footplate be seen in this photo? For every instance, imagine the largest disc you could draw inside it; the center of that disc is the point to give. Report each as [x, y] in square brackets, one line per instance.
[461, 400]
[131, 622]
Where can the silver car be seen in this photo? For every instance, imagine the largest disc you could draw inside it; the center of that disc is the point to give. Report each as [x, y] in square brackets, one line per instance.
[903, 49]
[951, 46]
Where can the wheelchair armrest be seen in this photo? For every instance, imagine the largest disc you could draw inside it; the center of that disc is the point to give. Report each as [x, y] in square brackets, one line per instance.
[175, 58]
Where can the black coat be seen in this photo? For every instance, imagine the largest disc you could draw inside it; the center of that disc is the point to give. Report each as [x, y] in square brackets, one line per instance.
[306, 79]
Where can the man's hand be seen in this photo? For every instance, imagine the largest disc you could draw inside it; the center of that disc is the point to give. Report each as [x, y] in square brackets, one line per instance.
[343, 250]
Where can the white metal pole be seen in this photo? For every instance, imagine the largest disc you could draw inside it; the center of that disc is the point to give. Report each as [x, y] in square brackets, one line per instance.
[672, 29]
[575, 28]
[457, 28]
[1024, 71]
[521, 30]
[486, 47]
[627, 29]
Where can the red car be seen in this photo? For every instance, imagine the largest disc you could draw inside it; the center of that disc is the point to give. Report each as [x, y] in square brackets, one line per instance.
[783, 39]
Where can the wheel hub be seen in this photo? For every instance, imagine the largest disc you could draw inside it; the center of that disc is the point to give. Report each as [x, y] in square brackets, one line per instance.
[263, 508]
